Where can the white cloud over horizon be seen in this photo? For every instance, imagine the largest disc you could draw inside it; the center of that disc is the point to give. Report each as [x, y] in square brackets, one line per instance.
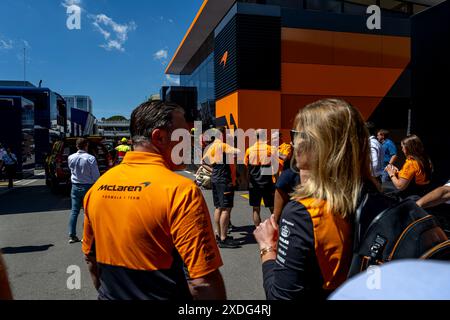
[14, 46]
[69, 3]
[161, 55]
[6, 44]
[115, 34]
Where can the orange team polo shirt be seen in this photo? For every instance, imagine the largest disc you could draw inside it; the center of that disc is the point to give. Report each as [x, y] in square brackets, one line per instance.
[285, 149]
[139, 212]
[332, 241]
[411, 170]
[221, 156]
[259, 154]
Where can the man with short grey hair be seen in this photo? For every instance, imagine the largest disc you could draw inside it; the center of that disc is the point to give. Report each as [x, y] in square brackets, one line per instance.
[144, 222]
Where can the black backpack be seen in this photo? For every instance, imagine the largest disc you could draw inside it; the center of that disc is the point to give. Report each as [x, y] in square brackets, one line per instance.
[387, 228]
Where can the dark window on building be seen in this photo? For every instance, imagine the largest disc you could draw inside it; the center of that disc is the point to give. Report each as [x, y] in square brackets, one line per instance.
[320, 5]
[392, 8]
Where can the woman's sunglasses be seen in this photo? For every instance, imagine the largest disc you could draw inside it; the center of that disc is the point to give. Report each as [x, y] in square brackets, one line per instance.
[295, 134]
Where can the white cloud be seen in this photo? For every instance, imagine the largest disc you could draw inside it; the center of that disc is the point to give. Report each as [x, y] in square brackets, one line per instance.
[172, 80]
[16, 45]
[26, 44]
[170, 20]
[6, 44]
[69, 3]
[161, 55]
[114, 33]
[74, 5]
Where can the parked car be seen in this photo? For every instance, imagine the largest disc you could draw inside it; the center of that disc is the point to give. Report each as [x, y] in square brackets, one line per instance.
[57, 172]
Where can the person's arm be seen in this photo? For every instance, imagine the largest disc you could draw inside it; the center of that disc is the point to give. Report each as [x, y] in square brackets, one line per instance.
[282, 188]
[274, 159]
[400, 183]
[207, 167]
[401, 179]
[5, 290]
[231, 150]
[435, 198]
[247, 157]
[194, 239]
[93, 270]
[209, 287]
[281, 199]
[393, 159]
[284, 272]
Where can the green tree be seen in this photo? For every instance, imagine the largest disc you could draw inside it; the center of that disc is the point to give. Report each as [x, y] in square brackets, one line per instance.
[117, 118]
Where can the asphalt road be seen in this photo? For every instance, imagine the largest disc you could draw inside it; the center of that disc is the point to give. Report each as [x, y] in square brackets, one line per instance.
[33, 238]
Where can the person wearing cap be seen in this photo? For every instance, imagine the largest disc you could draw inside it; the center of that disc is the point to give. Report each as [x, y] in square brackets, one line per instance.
[122, 150]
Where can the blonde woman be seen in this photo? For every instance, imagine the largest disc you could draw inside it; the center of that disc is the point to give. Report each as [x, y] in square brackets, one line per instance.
[309, 254]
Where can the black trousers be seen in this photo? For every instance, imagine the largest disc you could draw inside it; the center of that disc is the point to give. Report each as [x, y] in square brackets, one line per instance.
[10, 174]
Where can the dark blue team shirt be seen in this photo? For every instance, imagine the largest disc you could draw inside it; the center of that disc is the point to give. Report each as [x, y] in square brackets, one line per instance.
[288, 180]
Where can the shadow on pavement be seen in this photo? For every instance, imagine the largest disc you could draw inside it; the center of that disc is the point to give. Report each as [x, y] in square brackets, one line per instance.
[244, 235]
[40, 177]
[31, 199]
[26, 249]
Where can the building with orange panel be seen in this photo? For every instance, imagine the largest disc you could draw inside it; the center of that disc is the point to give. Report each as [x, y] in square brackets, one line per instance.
[256, 63]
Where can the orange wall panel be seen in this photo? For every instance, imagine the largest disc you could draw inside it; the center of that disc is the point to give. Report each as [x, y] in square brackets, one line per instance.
[292, 104]
[352, 49]
[309, 79]
[259, 109]
[306, 46]
[252, 109]
[396, 51]
[228, 106]
[344, 48]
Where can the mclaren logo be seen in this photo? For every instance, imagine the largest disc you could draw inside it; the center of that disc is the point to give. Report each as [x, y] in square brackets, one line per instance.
[117, 188]
[224, 59]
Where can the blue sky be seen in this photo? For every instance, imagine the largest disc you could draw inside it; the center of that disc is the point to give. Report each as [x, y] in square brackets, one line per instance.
[118, 57]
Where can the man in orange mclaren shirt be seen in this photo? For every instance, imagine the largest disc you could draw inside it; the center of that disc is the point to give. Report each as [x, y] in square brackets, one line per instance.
[260, 160]
[284, 149]
[221, 156]
[147, 232]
